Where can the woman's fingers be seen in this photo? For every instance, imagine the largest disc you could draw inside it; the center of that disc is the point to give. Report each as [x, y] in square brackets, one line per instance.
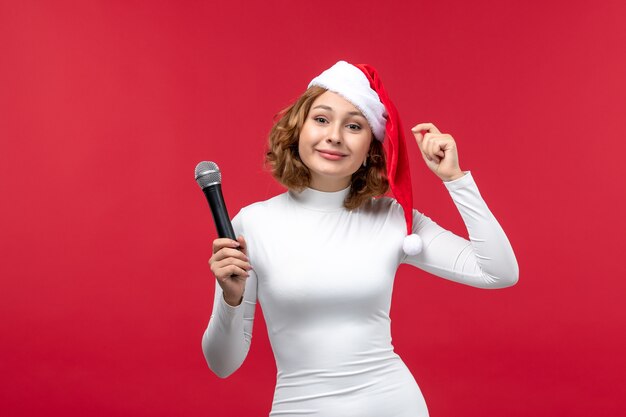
[230, 271]
[427, 146]
[226, 263]
[434, 148]
[229, 259]
[243, 245]
[229, 253]
[221, 243]
[425, 141]
[433, 145]
[224, 248]
[429, 127]
[225, 269]
[224, 243]
[438, 150]
[230, 265]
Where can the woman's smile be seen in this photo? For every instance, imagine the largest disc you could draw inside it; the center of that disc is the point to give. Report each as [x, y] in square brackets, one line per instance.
[331, 155]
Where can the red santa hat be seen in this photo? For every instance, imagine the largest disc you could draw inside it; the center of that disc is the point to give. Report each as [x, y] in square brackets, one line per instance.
[361, 85]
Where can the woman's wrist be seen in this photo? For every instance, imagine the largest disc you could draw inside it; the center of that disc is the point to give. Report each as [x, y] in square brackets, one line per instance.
[454, 177]
[233, 301]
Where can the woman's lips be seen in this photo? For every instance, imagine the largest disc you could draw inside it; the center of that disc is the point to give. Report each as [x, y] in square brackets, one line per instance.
[331, 155]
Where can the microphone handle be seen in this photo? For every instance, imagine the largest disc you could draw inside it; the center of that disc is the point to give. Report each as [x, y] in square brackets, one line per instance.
[223, 225]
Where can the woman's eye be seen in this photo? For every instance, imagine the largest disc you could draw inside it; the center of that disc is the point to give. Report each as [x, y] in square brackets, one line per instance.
[320, 119]
[353, 126]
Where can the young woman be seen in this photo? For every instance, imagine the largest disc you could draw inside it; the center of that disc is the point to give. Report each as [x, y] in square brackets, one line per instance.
[321, 258]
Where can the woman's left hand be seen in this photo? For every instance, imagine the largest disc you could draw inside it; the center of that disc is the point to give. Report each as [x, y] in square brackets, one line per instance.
[439, 151]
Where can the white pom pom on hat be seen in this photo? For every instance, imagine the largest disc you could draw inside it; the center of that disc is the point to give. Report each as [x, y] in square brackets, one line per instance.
[361, 86]
[412, 244]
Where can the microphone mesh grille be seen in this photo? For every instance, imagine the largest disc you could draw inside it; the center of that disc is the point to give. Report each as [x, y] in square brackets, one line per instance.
[208, 173]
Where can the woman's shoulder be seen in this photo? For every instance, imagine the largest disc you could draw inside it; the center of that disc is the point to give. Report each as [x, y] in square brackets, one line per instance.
[389, 209]
[262, 209]
[380, 205]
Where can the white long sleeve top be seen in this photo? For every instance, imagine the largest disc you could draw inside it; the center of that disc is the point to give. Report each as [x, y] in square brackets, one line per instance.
[324, 276]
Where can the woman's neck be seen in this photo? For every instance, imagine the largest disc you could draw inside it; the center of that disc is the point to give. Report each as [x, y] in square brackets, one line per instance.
[328, 184]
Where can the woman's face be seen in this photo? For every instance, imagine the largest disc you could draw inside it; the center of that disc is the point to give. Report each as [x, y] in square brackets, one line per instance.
[334, 142]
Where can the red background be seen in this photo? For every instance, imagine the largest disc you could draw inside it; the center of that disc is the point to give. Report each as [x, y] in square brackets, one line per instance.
[107, 106]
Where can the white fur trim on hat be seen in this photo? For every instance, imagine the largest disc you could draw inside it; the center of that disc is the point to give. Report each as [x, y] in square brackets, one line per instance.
[349, 82]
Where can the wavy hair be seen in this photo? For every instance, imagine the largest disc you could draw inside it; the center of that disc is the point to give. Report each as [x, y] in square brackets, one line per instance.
[284, 161]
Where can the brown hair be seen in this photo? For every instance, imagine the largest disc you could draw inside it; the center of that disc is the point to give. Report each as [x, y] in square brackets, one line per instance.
[286, 166]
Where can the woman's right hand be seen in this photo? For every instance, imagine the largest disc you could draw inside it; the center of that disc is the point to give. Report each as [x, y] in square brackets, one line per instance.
[230, 265]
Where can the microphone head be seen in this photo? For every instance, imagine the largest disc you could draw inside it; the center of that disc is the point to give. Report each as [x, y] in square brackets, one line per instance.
[208, 173]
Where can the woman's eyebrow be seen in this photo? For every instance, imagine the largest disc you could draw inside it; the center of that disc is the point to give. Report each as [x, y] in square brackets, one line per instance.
[321, 106]
[352, 113]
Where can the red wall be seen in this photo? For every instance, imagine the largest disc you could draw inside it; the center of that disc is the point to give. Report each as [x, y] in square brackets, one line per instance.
[107, 106]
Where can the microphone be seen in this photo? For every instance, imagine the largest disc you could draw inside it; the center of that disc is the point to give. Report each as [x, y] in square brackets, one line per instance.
[209, 178]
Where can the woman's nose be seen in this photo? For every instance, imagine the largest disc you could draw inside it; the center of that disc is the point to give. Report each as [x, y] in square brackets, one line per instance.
[334, 136]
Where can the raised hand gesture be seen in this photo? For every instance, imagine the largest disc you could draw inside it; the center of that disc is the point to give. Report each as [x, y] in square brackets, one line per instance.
[439, 151]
